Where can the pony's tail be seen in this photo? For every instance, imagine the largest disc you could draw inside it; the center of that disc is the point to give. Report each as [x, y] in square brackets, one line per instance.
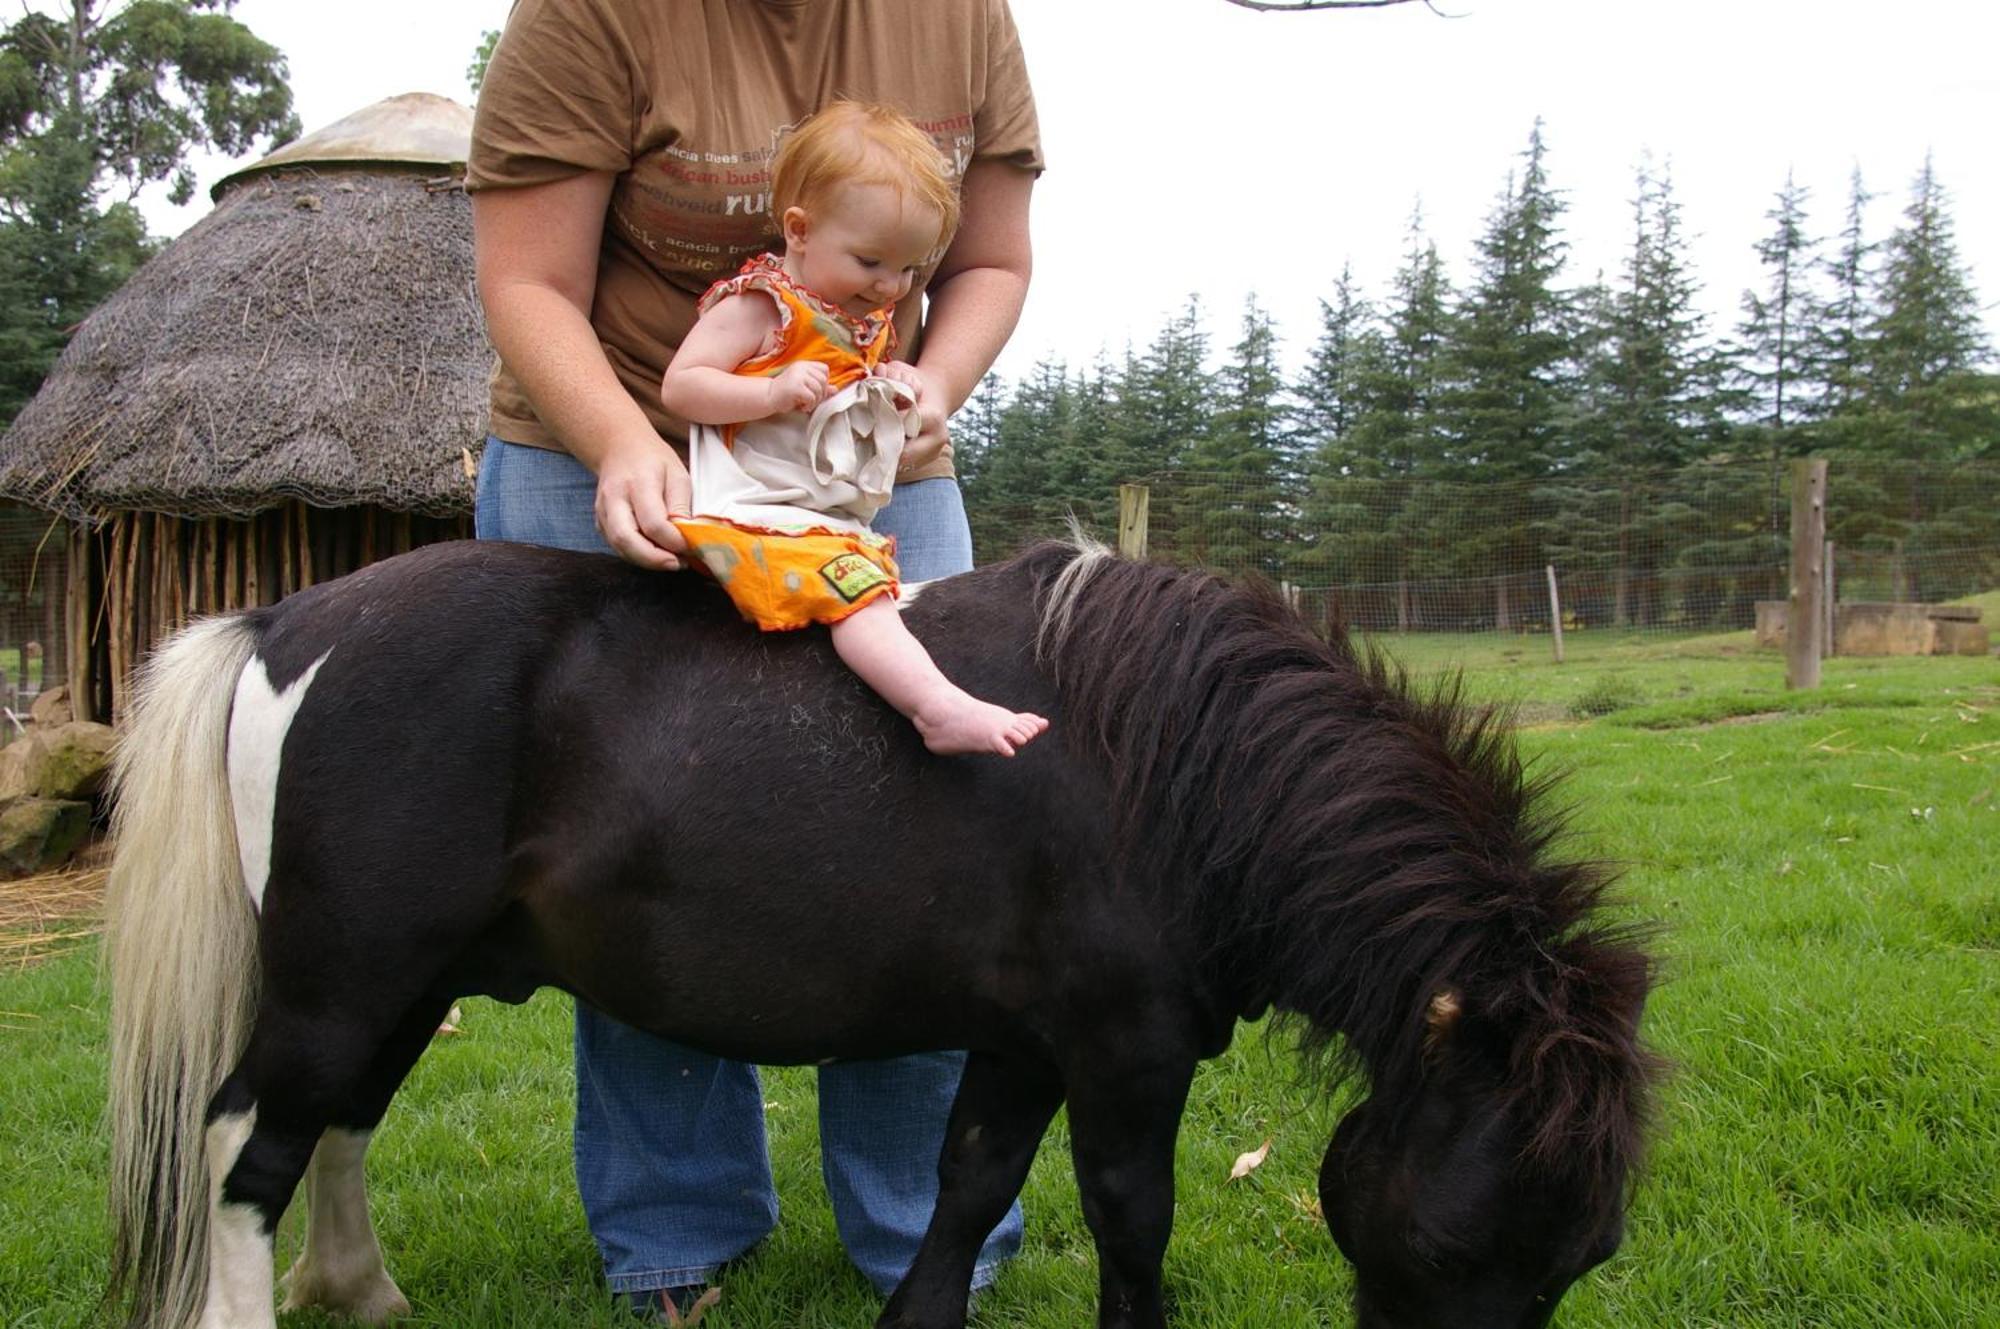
[181, 950]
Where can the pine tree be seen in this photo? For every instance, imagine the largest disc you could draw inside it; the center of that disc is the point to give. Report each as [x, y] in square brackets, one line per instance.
[1926, 341]
[1656, 375]
[1774, 340]
[1839, 351]
[1511, 350]
[1397, 428]
[975, 430]
[1359, 498]
[1656, 384]
[1236, 474]
[1327, 405]
[1165, 397]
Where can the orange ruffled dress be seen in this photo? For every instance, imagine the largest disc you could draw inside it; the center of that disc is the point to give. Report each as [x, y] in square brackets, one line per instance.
[782, 505]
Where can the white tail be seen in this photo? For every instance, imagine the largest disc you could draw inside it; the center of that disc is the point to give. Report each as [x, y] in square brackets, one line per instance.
[181, 949]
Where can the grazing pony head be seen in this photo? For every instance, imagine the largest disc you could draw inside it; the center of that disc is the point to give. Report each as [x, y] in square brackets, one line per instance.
[1371, 860]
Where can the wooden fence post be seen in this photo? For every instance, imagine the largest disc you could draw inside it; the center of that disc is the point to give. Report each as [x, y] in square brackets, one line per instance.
[1804, 609]
[1555, 613]
[1829, 641]
[1133, 502]
[76, 623]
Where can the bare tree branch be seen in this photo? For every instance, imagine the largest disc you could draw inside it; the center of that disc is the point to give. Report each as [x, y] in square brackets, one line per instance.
[1300, 6]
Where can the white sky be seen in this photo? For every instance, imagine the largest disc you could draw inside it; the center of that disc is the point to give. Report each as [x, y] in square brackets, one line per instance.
[1198, 147]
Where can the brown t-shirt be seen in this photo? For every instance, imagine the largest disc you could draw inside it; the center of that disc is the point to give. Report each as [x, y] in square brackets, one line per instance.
[684, 100]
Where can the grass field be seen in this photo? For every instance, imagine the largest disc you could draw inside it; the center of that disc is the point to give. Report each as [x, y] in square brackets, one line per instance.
[1824, 864]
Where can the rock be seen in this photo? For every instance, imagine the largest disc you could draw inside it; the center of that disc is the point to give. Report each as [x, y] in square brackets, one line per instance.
[37, 834]
[52, 708]
[77, 759]
[21, 765]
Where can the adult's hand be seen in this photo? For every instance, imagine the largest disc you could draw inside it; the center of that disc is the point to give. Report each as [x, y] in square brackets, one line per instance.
[933, 437]
[641, 488]
[535, 249]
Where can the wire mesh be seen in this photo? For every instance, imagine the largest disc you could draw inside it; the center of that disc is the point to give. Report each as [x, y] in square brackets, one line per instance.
[33, 555]
[1680, 551]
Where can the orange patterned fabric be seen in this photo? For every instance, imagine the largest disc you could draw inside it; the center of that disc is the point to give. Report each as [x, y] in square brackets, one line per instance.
[782, 579]
[809, 328]
[786, 580]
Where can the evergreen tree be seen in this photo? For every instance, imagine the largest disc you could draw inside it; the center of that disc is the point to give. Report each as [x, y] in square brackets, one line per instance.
[1657, 377]
[1237, 472]
[1327, 397]
[1839, 350]
[1397, 428]
[1775, 336]
[1926, 341]
[1014, 491]
[1657, 386]
[1512, 350]
[975, 430]
[1359, 496]
[99, 98]
[1165, 397]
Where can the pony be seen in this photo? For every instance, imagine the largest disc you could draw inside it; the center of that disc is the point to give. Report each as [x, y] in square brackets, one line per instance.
[482, 768]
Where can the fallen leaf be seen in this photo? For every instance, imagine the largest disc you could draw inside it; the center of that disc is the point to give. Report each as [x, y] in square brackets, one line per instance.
[451, 1019]
[1250, 1162]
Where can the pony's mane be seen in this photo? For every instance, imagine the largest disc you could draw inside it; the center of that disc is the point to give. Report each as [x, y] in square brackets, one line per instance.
[1352, 844]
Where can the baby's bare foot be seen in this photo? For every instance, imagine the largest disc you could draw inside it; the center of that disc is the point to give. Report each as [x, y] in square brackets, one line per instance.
[963, 723]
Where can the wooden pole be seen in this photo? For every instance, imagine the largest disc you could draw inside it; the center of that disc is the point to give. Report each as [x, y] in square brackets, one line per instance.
[1134, 501]
[76, 622]
[1803, 610]
[1830, 641]
[1555, 614]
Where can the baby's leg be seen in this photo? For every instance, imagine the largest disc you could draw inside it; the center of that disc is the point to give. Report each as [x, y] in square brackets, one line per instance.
[876, 645]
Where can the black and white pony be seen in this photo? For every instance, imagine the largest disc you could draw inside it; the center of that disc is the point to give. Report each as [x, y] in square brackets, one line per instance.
[486, 768]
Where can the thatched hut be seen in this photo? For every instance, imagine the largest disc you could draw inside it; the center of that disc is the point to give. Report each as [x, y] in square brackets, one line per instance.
[292, 389]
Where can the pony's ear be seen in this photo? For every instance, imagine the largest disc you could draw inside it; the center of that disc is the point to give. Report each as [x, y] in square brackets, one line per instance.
[1440, 1019]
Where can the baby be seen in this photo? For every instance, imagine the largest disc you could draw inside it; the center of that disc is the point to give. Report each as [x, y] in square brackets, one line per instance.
[798, 421]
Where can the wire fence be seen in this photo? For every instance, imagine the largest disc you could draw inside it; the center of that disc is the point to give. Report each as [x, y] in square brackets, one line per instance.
[1684, 551]
[33, 553]
[1680, 551]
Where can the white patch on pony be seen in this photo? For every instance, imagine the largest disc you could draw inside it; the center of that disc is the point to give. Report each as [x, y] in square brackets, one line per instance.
[239, 1254]
[258, 722]
[341, 1266]
[907, 593]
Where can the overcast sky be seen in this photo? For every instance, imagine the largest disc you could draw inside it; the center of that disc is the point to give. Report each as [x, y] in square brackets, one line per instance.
[1195, 146]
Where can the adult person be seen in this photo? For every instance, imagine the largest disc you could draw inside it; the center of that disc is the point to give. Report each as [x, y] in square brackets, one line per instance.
[619, 167]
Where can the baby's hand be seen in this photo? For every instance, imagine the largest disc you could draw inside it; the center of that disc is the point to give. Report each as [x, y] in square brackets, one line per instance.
[906, 374]
[799, 386]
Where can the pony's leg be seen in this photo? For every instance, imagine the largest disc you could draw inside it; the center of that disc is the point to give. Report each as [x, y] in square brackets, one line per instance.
[253, 1167]
[341, 1267]
[997, 1120]
[1123, 1120]
[300, 1074]
[239, 1235]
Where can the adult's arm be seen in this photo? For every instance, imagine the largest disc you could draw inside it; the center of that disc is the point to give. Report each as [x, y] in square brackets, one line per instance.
[535, 249]
[975, 298]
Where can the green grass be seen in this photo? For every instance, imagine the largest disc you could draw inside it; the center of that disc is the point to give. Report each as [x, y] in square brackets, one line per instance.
[1824, 865]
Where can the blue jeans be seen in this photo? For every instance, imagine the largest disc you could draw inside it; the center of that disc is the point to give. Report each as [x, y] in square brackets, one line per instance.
[670, 1154]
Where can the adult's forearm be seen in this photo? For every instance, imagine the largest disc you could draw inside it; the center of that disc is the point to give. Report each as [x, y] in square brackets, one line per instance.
[968, 323]
[554, 353]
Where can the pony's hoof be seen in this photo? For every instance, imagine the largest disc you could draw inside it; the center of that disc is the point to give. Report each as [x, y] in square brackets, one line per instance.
[374, 1299]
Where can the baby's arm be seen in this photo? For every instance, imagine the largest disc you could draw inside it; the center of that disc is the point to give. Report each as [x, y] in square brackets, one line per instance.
[701, 386]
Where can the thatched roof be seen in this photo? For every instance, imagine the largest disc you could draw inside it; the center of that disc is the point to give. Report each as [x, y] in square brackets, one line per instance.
[316, 336]
[414, 127]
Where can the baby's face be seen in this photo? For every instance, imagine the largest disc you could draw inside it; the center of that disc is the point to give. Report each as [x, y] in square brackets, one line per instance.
[862, 249]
